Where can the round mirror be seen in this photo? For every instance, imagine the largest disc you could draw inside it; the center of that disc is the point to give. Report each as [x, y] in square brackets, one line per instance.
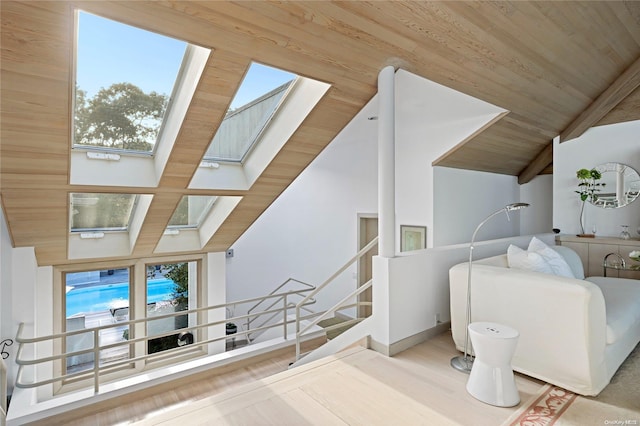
[621, 185]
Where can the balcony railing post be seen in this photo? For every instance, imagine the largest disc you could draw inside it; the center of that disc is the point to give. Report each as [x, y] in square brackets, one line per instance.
[96, 361]
[298, 332]
[284, 313]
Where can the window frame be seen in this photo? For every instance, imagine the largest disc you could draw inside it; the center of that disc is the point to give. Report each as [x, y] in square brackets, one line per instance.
[180, 77]
[137, 297]
[260, 132]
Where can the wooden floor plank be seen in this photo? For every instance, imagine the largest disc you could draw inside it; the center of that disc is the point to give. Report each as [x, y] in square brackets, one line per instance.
[355, 386]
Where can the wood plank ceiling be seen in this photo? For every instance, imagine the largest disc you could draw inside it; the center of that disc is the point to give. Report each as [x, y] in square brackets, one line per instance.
[544, 62]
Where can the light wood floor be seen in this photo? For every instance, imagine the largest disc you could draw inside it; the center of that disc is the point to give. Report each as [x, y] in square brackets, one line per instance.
[356, 387]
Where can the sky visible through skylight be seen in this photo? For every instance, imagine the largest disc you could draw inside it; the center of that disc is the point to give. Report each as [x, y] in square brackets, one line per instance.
[110, 52]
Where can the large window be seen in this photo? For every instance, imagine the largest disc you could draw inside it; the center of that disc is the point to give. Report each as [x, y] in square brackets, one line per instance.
[105, 298]
[124, 82]
[93, 299]
[168, 292]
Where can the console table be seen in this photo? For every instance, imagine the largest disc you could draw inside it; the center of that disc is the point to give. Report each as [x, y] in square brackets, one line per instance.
[592, 252]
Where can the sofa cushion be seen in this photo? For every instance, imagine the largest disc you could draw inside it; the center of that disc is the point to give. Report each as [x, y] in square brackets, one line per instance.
[556, 261]
[526, 260]
[622, 304]
[572, 259]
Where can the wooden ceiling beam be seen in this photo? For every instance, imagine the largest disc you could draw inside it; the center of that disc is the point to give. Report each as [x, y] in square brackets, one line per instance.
[622, 87]
[538, 165]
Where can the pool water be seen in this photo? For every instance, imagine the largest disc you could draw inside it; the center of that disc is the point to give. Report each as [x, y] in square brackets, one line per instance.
[103, 297]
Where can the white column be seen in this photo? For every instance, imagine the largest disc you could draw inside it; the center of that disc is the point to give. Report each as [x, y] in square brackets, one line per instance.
[386, 162]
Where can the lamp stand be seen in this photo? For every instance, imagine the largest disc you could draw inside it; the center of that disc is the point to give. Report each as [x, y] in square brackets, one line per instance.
[464, 363]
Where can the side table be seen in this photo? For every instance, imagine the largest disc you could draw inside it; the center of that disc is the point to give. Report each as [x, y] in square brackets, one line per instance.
[491, 380]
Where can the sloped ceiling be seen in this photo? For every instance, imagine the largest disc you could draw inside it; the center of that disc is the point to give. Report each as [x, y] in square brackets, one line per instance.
[544, 62]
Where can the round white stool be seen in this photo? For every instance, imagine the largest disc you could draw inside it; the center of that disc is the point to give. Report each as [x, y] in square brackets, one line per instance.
[491, 379]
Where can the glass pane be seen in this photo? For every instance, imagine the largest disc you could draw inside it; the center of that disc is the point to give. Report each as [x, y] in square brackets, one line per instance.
[92, 299]
[124, 79]
[257, 99]
[101, 211]
[168, 292]
[191, 210]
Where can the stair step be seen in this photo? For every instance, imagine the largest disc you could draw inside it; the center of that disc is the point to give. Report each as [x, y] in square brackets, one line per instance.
[334, 325]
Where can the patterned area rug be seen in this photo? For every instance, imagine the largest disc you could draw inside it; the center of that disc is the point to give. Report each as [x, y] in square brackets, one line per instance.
[546, 409]
[617, 404]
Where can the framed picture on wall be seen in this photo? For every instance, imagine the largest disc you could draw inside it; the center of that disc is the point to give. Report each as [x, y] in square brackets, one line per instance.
[413, 237]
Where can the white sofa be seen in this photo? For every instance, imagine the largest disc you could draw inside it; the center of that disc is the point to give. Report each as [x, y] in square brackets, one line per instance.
[574, 333]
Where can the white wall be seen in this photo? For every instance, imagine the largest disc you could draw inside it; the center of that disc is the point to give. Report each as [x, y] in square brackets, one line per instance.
[599, 145]
[419, 286]
[6, 295]
[430, 120]
[311, 229]
[465, 198]
[538, 217]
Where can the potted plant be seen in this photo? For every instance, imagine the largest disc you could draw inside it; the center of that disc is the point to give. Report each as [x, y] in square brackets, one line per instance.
[588, 188]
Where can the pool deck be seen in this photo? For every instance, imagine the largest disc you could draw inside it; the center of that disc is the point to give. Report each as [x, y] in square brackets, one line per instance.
[118, 276]
[107, 336]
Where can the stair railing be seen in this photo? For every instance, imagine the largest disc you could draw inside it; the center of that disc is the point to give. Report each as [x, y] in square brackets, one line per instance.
[275, 301]
[338, 306]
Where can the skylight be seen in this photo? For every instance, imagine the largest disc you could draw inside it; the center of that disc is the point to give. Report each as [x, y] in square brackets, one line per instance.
[124, 80]
[100, 212]
[255, 103]
[191, 211]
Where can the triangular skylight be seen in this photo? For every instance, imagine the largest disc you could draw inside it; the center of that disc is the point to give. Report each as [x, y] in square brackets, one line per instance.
[124, 83]
[258, 98]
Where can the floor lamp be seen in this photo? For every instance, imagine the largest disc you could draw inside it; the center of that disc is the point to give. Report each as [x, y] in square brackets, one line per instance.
[464, 363]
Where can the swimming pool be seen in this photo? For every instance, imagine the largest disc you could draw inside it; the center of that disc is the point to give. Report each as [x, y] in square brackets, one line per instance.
[102, 297]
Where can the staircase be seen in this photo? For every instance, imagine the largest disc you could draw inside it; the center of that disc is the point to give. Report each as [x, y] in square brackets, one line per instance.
[346, 332]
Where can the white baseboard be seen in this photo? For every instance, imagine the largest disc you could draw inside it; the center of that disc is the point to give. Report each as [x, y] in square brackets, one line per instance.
[407, 342]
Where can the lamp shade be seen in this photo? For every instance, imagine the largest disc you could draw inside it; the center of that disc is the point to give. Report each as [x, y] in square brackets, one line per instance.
[516, 206]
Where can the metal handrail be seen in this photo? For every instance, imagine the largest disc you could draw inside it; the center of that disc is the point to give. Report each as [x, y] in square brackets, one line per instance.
[341, 270]
[350, 262]
[337, 307]
[251, 332]
[275, 302]
[3, 392]
[99, 368]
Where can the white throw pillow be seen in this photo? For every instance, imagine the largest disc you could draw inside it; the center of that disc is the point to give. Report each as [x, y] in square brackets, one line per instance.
[558, 265]
[526, 260]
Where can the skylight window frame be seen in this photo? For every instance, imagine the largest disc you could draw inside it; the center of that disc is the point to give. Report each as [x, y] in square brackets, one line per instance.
[188, 51]
[132, 211]
[205, 213]
[291, 84]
